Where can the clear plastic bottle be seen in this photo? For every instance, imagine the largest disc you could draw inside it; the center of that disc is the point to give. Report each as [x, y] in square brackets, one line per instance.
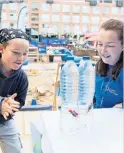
[69, 78]
[86, 88]
[81, 80]
[88, 82]
[80, 89]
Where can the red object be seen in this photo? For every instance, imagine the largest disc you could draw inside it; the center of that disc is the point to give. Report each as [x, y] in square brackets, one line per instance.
[70, 110]
[75, 112]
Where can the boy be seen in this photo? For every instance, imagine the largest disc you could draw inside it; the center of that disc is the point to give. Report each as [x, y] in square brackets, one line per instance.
[13, 85]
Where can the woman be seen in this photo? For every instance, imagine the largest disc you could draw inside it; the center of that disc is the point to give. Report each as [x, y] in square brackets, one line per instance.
[109, 69]
[13, 85]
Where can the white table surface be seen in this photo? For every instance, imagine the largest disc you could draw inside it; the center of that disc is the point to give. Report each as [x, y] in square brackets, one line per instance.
[105, 134]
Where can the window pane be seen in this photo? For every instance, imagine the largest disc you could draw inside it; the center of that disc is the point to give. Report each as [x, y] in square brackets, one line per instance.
[115, 10]
[45, 17]
[95, 20]
[122, 10]
[35, 19]
[105, 10]
[85, 19]
[75, 19]
[66, 29]
[5, 25]
[35, 6]
[13, 16]
[55, 7]
[45, 28]
[85, 28]
[55, 28]
[75, 8]
[13, 6]
[66, 8]
[51, 29]
[94, 28]
[55, 18]
[4, 16]
[76, 29]
[95, 10]
[104, 19]
[66, 18]
[86, 9]
[45, 7]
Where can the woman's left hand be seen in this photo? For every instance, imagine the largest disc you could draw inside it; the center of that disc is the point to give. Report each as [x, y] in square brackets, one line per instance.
[118, 106]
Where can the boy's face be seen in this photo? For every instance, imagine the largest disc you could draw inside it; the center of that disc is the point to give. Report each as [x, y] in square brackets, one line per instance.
[15, 53]
[109, 46]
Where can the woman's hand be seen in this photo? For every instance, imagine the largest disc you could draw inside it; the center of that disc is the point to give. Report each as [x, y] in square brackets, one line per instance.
[118, 106]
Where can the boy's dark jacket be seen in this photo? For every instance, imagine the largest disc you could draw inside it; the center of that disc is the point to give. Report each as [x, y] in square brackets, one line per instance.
[16, 83]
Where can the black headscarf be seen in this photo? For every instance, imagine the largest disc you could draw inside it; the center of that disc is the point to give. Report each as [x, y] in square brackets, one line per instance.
[9, 34]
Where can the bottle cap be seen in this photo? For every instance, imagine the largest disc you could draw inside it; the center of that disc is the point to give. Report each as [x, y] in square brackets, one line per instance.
[70, 58]
[34, 102]
[86, 58]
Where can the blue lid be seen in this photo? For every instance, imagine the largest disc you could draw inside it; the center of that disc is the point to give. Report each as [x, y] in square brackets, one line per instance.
[86, 58]
[70, 58]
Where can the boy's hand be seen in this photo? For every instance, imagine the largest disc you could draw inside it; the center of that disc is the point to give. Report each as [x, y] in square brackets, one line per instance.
[14, 104]
[6, 108]
[9, 106]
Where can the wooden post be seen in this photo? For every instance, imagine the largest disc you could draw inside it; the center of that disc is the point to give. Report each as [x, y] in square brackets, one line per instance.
[54, 107]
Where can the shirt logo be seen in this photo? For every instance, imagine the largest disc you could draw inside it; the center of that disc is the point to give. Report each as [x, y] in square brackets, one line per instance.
[112, 91]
